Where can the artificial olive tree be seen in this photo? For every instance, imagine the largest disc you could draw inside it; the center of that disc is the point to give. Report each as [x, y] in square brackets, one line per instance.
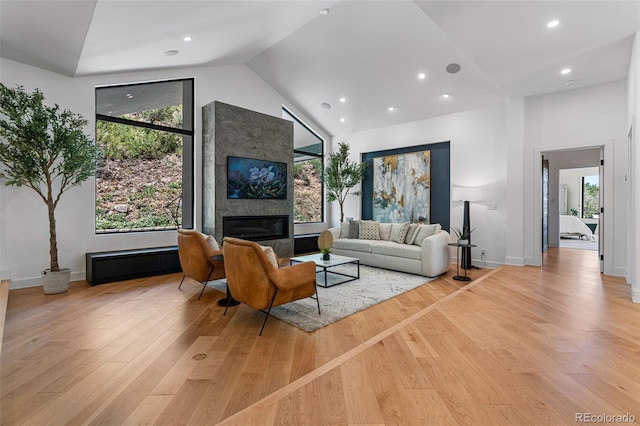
[340, 175]
[44, 148]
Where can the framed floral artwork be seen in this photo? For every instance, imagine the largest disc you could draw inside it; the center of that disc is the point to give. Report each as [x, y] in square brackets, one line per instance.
[251, 178]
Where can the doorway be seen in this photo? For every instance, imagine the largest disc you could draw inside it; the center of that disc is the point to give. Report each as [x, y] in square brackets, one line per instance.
[572, 195]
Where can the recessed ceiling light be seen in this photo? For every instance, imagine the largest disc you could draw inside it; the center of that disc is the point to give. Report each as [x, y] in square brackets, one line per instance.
[342, 120]
[324, 11]
[170, 52]
[422, 76]
[446, 96]
[129, 95]
[453, 68]
[565, 71]
[391, 108]
[552, 24]
[326, 105]
[187, 38]
[343, 100]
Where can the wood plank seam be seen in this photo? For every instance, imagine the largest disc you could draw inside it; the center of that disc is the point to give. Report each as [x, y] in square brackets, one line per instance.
[243, 415]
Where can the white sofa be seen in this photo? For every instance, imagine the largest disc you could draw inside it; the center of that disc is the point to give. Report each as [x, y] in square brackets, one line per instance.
[431, 258]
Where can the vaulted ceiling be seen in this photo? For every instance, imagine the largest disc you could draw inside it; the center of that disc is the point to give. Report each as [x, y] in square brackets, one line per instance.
[368, 52]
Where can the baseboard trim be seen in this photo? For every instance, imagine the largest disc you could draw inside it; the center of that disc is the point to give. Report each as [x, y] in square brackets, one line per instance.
[619, 271]
[37, 281]
[514, 261]
[635, 296]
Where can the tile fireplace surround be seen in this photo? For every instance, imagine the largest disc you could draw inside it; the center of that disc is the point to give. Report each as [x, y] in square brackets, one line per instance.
[228, 130]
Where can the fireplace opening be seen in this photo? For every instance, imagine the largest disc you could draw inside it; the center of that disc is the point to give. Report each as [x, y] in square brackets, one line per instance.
[256, 228]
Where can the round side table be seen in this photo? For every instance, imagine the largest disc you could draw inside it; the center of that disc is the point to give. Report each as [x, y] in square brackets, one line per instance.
[457, 276]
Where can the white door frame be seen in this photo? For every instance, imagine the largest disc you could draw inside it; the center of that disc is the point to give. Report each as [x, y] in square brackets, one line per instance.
[606, 188]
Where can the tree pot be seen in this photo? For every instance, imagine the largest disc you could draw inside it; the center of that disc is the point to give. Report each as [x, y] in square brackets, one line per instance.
[463, 242]
[326, 256]
[56, 282]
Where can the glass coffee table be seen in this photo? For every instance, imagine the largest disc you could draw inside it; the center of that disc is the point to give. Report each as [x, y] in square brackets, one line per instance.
[325, 267]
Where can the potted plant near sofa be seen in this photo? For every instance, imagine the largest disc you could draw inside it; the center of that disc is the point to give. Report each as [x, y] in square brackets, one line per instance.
[325, 241]
[340, 175]
[44, 148]
[463, 235]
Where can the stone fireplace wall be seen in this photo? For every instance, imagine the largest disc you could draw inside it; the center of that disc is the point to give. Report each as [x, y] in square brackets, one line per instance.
[233, 131]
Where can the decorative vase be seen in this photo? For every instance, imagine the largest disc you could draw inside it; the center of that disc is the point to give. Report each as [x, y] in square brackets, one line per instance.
[463, 242]
[326, 256]
[55, 282]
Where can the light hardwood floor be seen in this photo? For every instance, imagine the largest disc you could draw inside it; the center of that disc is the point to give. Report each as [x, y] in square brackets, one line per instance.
[516, 346]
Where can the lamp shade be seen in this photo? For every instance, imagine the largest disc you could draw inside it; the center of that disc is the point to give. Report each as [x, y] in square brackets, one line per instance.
[466, 193]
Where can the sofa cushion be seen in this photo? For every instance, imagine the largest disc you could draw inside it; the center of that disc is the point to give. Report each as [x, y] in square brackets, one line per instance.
[354, 229]
[353, 244]
[425, 231]
[389, 248]
[399, 232]
[369, 230]
[411, 233]
[385, 231]
[344, 230]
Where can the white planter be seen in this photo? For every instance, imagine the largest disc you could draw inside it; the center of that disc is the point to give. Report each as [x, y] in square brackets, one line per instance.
[56, 282]
[463, 242]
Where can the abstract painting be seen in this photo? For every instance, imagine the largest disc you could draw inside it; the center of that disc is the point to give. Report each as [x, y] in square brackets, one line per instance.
[401, 187]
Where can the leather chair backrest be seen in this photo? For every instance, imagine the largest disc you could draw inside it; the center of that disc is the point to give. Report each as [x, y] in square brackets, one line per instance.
[194, 252]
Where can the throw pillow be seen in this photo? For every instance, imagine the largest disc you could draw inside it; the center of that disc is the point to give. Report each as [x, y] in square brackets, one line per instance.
[369, 230]
[399, 232]
[211, 241]
[425, 231]
[354, 229]
[271, 255]
[344, 230]
[385, 231]
[411, 233]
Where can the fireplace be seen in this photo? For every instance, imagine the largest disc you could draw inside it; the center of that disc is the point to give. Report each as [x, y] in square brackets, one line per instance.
[256, 228]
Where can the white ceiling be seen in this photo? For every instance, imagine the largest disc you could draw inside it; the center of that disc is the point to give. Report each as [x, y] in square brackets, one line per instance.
[369, 52]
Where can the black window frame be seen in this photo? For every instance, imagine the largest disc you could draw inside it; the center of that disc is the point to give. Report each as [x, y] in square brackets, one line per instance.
[320, 156]
[188, 148]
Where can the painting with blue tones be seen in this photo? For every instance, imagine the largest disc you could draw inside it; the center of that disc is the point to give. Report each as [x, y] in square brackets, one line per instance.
[401, 187]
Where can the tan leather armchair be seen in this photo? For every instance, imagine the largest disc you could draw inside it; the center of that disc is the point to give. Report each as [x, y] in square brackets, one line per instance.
[255, 281]
[195, 252]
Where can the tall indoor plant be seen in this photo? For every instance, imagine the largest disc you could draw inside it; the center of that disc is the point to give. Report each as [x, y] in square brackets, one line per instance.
[44, 148]
[340, 175]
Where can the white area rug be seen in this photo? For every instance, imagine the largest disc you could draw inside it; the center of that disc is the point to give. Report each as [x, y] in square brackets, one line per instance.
[579, 244]
[374, 286]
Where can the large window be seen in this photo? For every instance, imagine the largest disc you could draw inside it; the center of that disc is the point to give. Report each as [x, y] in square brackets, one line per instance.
[144, 178]
[308, 192]
[590, 196]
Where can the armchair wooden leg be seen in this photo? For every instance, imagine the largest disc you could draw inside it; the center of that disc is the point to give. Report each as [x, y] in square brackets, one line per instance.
[268, 312]
[181, 281]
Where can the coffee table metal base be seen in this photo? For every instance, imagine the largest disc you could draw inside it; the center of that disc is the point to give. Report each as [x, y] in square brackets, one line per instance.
[325, 269]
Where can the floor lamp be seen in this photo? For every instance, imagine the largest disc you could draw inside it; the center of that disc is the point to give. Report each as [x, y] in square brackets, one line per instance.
[466, 194]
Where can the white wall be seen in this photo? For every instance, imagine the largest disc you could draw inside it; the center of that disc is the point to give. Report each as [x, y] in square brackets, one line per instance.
[23, 220]
[478, 158]
[589, 117]
[633, 169]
